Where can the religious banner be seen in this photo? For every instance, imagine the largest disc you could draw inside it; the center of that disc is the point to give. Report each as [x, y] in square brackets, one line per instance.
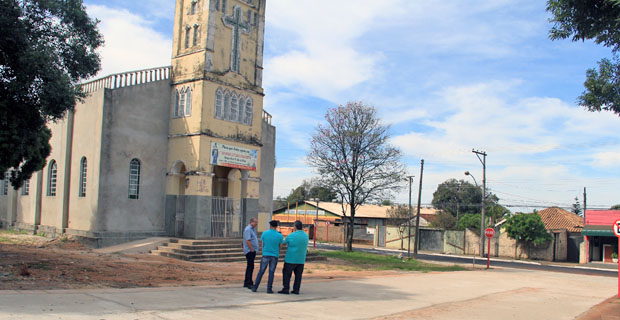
[233, 157]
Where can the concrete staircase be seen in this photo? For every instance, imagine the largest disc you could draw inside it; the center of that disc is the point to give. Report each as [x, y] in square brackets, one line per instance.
[212, 250]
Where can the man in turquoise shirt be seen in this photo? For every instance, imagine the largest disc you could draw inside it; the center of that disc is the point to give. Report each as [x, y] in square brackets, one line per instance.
[295, 258]
[272, 241]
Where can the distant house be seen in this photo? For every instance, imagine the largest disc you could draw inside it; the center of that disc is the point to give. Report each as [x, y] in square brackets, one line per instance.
[599, 238]
[366, 216]
[564, 225]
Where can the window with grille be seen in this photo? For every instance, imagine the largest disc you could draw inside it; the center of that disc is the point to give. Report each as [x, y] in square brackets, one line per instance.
[230, 106]
[134, 179]
[52, 174]
[26, 188]
[83, 171]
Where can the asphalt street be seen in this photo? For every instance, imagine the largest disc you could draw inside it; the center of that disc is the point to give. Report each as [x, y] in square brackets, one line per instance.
[482, 262]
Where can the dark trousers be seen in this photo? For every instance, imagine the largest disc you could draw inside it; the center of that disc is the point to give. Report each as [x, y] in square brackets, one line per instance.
[266, 261]
[287, 271]
[249, 269]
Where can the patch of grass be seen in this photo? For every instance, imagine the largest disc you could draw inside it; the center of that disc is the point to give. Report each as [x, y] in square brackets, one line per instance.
[7, 240]
[41, 265]
[42, 234]
[14, 232]
[384, 262]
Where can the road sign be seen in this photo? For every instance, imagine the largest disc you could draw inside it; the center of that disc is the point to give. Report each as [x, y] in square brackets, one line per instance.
[616, 227]
[490, 232]
[327, 223]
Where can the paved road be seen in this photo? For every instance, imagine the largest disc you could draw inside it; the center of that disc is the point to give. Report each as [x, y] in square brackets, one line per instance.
[493, 294]
[483, 262]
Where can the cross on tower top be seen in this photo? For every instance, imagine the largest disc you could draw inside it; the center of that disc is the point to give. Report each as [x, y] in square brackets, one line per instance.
[237, 25]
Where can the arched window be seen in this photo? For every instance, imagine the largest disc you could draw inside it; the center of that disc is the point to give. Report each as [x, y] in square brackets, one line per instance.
[26, 188]
[196, 34]
[241, 112]
[5, 184]
[181, 108]
[224, 6]
[234, 107]
[219, 103]
[249, 111]
[226, 105]
[176, 103]
[134, 179]
[188, 31]
[52, 174]
[188, 101]
[83, 171]
[192, 9]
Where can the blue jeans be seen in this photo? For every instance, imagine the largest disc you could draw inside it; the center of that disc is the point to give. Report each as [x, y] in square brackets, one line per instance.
[265, 261]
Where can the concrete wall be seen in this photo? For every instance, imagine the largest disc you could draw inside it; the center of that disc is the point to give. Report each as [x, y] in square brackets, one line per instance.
[268, 164]
[87, 143]
[4, 204]
[28, 206]
[135, 125]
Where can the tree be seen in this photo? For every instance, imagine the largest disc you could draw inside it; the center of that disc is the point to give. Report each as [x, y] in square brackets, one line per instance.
[398, 216]
[596, 20]
[47, 47]
[470, 221]
[496, 212]
[577, 207]
[615, 207]
[457, 197]
[352, 154]
[527, 228]
[310, 189]
[444, 220]
[387, 203]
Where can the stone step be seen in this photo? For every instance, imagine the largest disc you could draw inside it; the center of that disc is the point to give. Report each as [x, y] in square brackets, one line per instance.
[190, 242]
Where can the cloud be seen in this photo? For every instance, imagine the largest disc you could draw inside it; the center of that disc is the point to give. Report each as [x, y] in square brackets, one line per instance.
[607, 159]
[131, 43]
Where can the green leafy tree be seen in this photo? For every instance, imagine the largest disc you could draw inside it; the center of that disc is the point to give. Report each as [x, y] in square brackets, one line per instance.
[496, 212]
[527, 228]
[352, 154]
[597, 20]
[46, 48]
[311, 189]
[444, 220]
[615, 207]
[470, 221]
[457, 197]
[398, 216]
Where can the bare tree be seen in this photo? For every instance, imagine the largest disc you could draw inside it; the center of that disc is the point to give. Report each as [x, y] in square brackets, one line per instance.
[398, 216]
[352, 155]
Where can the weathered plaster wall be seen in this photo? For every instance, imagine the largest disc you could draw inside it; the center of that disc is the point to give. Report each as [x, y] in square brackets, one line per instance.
[135, 125]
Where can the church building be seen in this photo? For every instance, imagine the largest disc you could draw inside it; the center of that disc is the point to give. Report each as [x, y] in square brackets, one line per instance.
[182, 151]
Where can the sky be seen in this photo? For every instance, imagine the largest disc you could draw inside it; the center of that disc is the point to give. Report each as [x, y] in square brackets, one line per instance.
[447, 76]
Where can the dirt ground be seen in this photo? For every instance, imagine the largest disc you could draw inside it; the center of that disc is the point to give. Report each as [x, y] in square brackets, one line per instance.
[608, 310]
[37, 263]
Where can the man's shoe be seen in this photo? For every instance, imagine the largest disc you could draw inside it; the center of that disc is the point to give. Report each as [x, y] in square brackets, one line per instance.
[254, 289]
[283, 292]
[269, 291]
[251, 288]
[295, 292]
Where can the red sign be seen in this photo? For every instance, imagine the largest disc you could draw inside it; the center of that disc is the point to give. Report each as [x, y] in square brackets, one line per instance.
[490, 232]
[616, 228]
[327, 223]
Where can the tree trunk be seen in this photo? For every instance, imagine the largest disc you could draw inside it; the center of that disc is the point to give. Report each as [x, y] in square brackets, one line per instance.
[349, 247]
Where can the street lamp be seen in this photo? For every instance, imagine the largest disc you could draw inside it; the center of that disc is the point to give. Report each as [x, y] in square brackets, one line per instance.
[467, 173]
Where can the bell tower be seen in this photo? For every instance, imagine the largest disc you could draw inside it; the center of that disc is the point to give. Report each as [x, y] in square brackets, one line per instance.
[216, 112]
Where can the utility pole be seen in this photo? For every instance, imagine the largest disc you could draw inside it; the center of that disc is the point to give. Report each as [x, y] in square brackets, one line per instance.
[483, 160]
[417, 219]
[585, 204]
[409, 220]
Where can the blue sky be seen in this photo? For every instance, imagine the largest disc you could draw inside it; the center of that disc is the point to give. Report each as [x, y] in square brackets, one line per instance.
[448, 76]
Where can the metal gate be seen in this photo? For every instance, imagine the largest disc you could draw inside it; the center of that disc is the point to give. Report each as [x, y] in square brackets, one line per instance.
[381, 237]
[227, 218]
[574, 242]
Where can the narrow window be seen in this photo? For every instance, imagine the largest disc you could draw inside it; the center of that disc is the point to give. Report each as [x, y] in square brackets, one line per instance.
[219, 103]
[255, 19]
[226, 106]
[249, 111]
[234, 108]
[217, 5]
[193, 7]
[181, 103]
[196, 34]
[83, 171]
[5, 184]
[134, 179]
[26, 188]
[239, 117]
[176, 103]
[188, 31]
[249, 17]
[188, 102]
[52, 171]
[224, 6]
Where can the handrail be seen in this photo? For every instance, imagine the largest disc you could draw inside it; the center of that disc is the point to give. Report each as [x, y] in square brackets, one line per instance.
[267, 117]
[127, 79]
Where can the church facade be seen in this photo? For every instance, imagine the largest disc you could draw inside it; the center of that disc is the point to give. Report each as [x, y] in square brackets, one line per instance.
[184, 150]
